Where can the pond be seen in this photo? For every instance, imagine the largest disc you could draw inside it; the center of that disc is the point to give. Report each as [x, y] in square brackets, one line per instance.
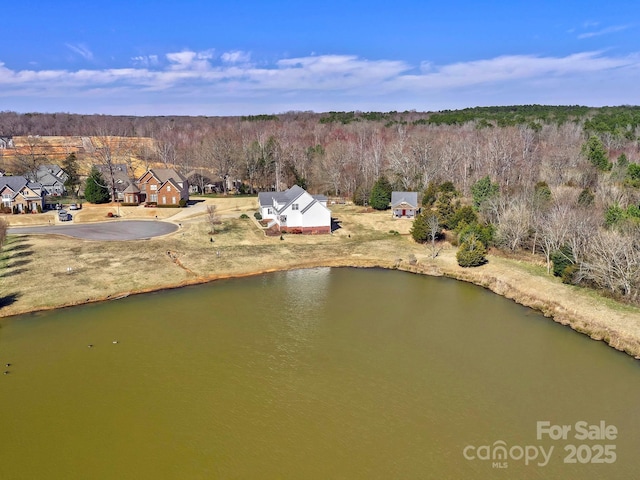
[319, 373]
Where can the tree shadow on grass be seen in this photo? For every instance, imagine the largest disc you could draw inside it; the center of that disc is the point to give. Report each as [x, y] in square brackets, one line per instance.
[14, 247]
[21, 254]
[12, 273]
[19, 263]
[8, 299]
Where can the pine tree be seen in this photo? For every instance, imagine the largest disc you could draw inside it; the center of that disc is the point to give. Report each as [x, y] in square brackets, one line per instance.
[595, 152]
[381, 194]
[70, 167]
[95, 190]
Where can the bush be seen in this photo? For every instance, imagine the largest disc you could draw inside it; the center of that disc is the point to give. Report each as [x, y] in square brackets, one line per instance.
[484, 233]
[127, 204]
[464, 214]
[562, 259]
[257, 216]
[39, 208]
[110, 214]
[471, 253]
[182, 203]
[244, 216]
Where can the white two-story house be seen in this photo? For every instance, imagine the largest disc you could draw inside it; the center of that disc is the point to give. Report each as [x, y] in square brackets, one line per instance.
[296, 211]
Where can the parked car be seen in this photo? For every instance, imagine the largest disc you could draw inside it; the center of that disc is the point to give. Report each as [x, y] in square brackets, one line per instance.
[64, 216]
[74, 206]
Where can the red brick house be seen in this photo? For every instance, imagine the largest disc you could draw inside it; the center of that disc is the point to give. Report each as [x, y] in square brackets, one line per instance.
[163, 186]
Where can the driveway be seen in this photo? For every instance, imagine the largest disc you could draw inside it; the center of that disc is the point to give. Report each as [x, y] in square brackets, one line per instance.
[116, 230]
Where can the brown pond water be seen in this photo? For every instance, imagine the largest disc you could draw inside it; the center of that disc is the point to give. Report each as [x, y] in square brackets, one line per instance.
[320, 373]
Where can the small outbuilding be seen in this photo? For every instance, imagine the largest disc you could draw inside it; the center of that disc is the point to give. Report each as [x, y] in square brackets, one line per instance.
[404, 204]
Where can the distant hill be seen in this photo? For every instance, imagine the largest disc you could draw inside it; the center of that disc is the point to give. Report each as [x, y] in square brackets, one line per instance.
[89, 150]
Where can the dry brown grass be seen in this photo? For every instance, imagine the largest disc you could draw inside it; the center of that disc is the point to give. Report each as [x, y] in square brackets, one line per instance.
[36, 276]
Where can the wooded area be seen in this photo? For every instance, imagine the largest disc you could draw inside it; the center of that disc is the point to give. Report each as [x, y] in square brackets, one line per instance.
[564, 182]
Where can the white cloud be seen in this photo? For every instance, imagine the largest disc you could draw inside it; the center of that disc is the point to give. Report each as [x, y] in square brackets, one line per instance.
[236, 57]
[604, 31]
[188, 60]
[81, 50]
[189, 79]
[146, 61]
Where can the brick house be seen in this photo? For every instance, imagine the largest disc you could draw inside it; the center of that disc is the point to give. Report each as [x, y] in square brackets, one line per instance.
[163, 186]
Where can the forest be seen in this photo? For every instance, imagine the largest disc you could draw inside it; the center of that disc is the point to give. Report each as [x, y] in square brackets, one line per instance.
[561, 183]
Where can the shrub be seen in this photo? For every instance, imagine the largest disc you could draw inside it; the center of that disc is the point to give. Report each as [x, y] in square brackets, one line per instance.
[569, 273]
[110, 214]
[39, 208]
[471, 253]
[464, 214]
[257, 216]
[411, 258]
[182, 203]
[562, 258]
[484, 233]
[244, 216]
[585, 198]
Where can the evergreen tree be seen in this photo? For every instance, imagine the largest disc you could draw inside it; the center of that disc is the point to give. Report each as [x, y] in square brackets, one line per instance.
[381, 194]
[95, 190]
[483, 190]
[595, 152]
[70, 167]
[471, 253]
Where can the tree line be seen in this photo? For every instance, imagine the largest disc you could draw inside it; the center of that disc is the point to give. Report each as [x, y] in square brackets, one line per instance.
[562, 183]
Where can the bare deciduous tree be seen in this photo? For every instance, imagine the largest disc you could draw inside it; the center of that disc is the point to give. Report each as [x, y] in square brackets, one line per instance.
[212, 218]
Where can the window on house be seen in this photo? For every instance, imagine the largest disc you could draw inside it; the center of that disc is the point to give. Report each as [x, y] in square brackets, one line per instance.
[168, 188]
[295, 206]
[153, 187]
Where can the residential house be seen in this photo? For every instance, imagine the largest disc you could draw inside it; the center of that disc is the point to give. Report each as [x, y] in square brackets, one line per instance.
[52, 179]
[132, 194]
[163, 186]
[121, 179]
[20, 194]
[404, 204]
[295, 210]
[6, 142]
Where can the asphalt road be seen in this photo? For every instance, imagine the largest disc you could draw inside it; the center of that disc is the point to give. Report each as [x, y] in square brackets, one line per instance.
[116, 230]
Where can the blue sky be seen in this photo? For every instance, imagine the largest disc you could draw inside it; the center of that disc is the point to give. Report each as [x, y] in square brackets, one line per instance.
[143, 57]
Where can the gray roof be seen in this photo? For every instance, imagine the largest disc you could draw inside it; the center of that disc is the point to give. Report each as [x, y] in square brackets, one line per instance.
[47, 178]
[120, 176]
[285, 198]
[410, 198]
[166, 174]
[17, 182]
[131, 189]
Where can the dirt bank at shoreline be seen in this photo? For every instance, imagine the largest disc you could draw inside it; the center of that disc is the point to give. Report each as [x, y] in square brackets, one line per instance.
[47, 272]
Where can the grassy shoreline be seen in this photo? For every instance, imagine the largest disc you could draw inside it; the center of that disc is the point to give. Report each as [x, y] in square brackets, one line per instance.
[44, 272]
